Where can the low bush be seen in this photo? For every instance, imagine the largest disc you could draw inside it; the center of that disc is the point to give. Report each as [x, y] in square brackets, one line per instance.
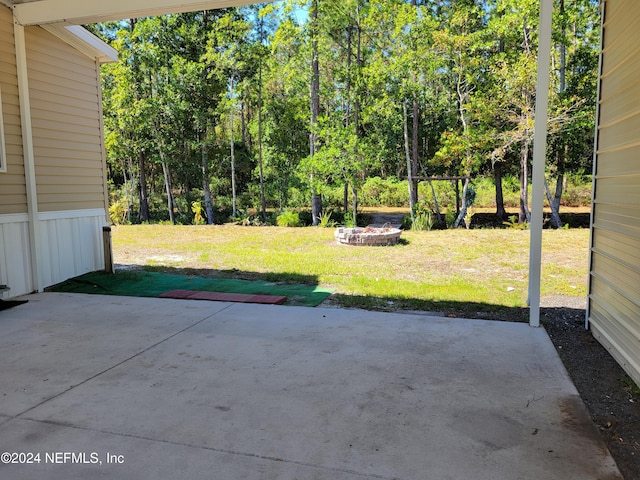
[288, 219]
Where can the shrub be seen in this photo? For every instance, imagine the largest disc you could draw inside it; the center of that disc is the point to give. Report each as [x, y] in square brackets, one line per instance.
[513, 224]
[349, 221]
[288, 219]
[198, 213]
[389, 192]
[326, 221]
[423, 218]
[577, 191]
[451, 216]
[422, 221]
[118, 211]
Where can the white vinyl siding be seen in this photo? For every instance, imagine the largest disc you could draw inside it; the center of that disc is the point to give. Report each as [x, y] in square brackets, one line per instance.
[67, 132]
[614, 296]
[71, 244]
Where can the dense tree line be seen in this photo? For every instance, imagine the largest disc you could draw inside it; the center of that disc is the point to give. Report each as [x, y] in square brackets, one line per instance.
[274, 105]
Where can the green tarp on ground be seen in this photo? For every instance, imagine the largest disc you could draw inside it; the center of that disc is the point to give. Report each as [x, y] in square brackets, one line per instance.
[151, 284]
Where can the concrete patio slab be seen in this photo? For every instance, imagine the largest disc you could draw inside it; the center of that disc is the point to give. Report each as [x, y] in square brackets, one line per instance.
[179, 389]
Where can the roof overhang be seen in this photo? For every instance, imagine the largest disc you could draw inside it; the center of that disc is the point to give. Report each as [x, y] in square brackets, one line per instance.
[84, 41]
[82, 12]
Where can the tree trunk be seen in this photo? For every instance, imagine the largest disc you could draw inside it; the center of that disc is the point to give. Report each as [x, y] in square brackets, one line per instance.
[497, 172]
[263, 200]
[435, 203]
[555, 215]
[167, 184]
[345, 197]
[562, 154]
[208, 204]
[316, 199]
[233, 155]
[557, 198]
[143, 215]
[356, 113]
[563, 50]
[415, 140]
[524, 214]
[243, 123]
[355, 203]
[412, 200]
[414, 158]
[463, 209]
[130, 185]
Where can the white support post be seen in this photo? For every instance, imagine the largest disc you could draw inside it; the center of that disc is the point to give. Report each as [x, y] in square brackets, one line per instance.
[28, 154]
[539, 155]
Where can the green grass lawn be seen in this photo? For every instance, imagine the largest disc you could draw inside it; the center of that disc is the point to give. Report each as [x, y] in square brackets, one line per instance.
[481, 269]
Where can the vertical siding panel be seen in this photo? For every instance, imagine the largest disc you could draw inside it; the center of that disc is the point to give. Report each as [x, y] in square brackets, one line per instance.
[72, 244]
[4, 278]
[614, 294]
[15, 266]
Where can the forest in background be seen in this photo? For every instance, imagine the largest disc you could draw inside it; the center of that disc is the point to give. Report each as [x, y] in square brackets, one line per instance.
[335, 104]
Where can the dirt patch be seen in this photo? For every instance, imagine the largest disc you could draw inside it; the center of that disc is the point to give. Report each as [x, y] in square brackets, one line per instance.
[379, 219]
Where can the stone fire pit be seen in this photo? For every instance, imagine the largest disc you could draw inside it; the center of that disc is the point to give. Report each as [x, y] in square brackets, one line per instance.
[368, 236]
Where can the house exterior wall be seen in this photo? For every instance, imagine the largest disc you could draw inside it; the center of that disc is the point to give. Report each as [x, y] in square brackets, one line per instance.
[66, 119]
[13, 192]
[614, 283]
[15, 264]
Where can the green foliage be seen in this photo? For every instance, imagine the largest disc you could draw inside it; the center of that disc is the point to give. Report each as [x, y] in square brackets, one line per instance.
[450, 216]
[388, 192]
[118, 211]
[468, 67]
[247, 219]
[423, 221]
[288, 219]
[198, 213]
[423, 218]
[326, 221]
[513, 223]
[349, 220]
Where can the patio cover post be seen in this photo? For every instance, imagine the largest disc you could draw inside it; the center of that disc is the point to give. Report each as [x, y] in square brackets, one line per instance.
[28, 154]
[539, 155]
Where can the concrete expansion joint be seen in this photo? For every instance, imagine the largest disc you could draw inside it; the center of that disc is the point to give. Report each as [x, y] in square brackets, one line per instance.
[137, 354]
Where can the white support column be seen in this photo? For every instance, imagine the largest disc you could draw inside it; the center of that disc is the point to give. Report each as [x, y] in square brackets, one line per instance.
[539, 155]
[28, 154]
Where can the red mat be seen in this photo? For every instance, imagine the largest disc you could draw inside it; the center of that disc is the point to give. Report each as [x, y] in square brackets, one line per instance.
[225, 297]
